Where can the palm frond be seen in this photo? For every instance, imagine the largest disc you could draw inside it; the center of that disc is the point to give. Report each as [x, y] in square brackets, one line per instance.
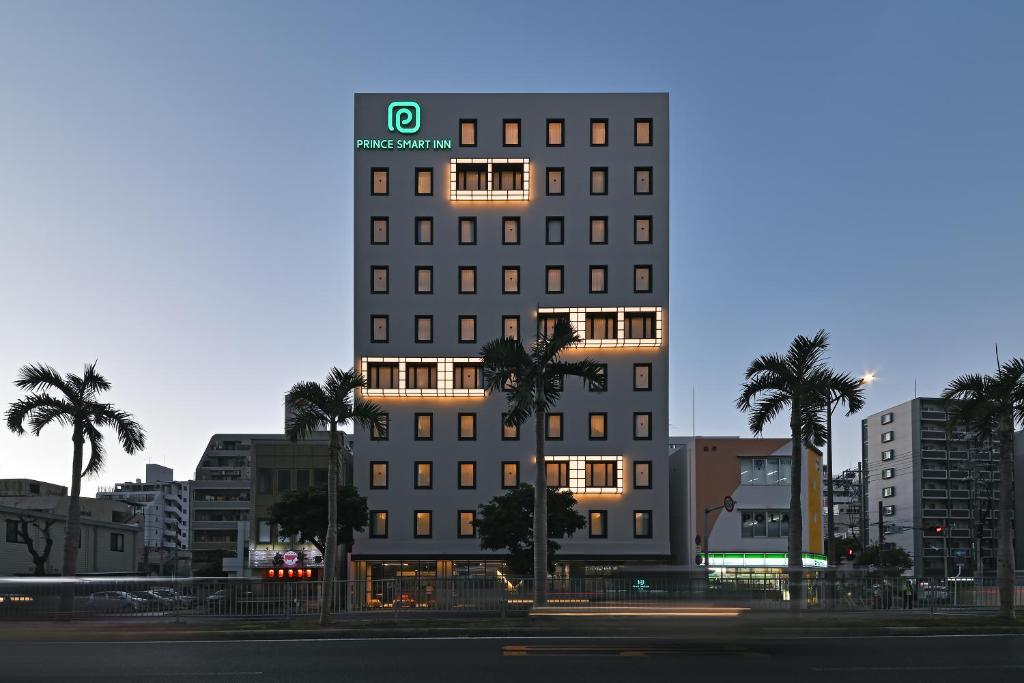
[26, 409]
[38, 377]
[96, 450]
[562, 337]
[370, 416]
[308, 407]
[847, 390]
[806, 353]
[130, 433]
[768, 407]
[504, 360]
[591, 372]
[1013, 371]
[93, 382]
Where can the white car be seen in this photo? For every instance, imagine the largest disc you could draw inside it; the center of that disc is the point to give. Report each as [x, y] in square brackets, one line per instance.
[115, 601]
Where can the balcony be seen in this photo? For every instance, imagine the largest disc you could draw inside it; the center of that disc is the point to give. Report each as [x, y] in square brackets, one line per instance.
[960, 533]
[958, 493]
[935, 512]
[933, 415]
[958, 455]
[934, 493]
[960, 514]
[934, 474]
[958, 474]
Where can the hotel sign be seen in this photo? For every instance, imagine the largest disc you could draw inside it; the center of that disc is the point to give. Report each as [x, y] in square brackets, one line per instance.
[404, 119]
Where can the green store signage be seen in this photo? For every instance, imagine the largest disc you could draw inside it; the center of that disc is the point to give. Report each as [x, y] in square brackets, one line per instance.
[404, 119]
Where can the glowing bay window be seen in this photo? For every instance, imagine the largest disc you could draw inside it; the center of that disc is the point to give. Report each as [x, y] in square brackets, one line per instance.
[589, 474]
[451, 377]
[609, 327]
[489, 179]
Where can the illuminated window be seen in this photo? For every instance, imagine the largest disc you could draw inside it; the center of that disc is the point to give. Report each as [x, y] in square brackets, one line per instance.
[378, 329]
[889, 454]
[510, 280]
[467, 132]
[467, 280]
[599, 428]
[378, 523]
[642, 230]
[510, 230]
[764, 524]
[508, 432]
[467, 524]
[382, 376]
[642, 426]
[555, 178]
[378, 279]
[424, 182]
[765, 471]
[600, 325]
[554, 281]
[424, 471]
[378, 181]
[509, 475]
[643, 133]
[554, 230]
[641, 377]
[601, 474]
[598, 180]
[599, 285]
[467, 475]
[507, 177]
[380, 434]
[471, 177]
[466, 376]
[378, 475]
[642, 180]
[424, 329]
[467, 230]
[553, 426]
[467, 328]
[467, 426]
[599, 230]
[642, 524]
[599, 132]
[641, 279]
[888, 473]
[423, 523]
[888, 492]
[421, 375]
[510, 326]
[424, 230]
[548, 321]
[424, 279]
[640, 325]
[424, 426]
[490, 179]
[889, 510]
[887, 418]
[602, 383]
[642, 475]
[556, 132]
[888, 436]
[379, 230]
[598, 523]
[510, 136]
[264, 532]
[557, 474]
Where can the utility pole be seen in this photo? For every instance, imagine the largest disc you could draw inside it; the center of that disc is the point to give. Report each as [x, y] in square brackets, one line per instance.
[864, 542]
[881, 539]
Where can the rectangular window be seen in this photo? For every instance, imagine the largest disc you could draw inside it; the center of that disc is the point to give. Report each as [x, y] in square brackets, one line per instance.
[467, 230]
[602, 382]
[888, 473]
[555, 180]
[424, 475]
[378, 181]
[642, 180]
[554, 280]
[642, 230]
[598, 180]
[424, 279]
[507, 177]
[284, 481]
[601, 474]
[424, 329]
[467, 132]
[641, 377]
[889, 454]
[301, 480]
[510, 137]
[380, 433]
[599, 132]
[599, 285]
[424, 230]
[598, 523]
[887, 437]
[467, 280]
[600, 325]
[642, 426]
[553, 426]
[424, 182]
[467, 475]
[320, 477]
[509, 475]
[378, 475]
[508, 432]
[599, 230]
[379, 230]
[263, 533]
[554, 232]
[510, 230]
[264, 480]
[889, 510]
[556, 133]
[421, 375]
[382, 376]
[14, 531]
[467, 426]
[424, 426]
[117, 542]
[888, 492]
[642, 524]
[641, 279]
[467, 376]
[423, 523]
[379, 279]
[887, 418]
[557, 474]
[467, 328]
[510, 326]
[642, 474]
[643, 132]
[510, 280]
[548, 321]
[467, 524]
[471, 177]
[640, 325]
[378, 523]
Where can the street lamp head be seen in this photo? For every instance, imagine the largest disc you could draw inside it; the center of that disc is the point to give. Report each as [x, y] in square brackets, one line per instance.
[867, 378]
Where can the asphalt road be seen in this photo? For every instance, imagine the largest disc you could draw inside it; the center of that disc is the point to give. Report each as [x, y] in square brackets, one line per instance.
[876, 659]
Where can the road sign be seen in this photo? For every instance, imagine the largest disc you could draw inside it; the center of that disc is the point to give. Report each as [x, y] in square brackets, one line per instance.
[728, 504]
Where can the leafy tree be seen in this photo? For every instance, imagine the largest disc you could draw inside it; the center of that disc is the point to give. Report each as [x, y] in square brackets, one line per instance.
[506, 523]
[39, 556]
[532, 381]
[801, 381]
[74, 402]
[893, 560]
[312, 406]
[991, 405]
[304, 514]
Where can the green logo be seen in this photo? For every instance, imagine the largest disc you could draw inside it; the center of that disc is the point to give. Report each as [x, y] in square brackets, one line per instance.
[404, 117]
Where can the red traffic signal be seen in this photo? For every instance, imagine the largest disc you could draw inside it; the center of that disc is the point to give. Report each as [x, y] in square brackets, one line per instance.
[849, 552]
[938, 528]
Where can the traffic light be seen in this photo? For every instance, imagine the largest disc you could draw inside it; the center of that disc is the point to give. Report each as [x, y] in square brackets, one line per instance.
[938, 529]
[849, 553]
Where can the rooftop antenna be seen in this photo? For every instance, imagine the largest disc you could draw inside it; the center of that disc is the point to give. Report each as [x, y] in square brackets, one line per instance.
[915, 387]
[693, 411]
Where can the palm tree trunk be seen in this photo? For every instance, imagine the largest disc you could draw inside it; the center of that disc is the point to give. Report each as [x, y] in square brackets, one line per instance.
[331, 542]
[1005, 570]
[540, 518]
[796, 532]
[73, 526]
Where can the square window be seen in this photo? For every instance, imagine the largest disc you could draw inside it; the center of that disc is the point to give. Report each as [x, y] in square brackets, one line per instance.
[889, 510]
[424, 426]
[467, 328]
[378, 181]
[599, 132]
[467, 230]
[554, 281]
[598, 426]
[888, 492]
[642, 474]
[424, 230]
[423, 474]
[642, 426]
[510, 137]
[640, 326]
[602, 383]
[642, 279]
[467, 132]
[467, 524]
[642, 180]
[599, 283]
[507, 177]
[378, 329]
[378, 523]
[467, 426]
[598, 180]
[887, 418]
[379, 230]
[548, 322]
[467, 279]
[510, 280]
[554, 232]
[466, 376]
[601, 325]
[424, 182]
[509, 475]
[641, 377]
[553, 426]
[556, 474]
[642, 230]
[889, 454]
[423, 523]
[599, 230]
[555, 181]
[889, 473]
[117, 542]
[424, 279]
[510, 326]
[642, 524]
[383, 376]
[601, 474]
[598, 523]
[379, 279]
[508, 432]
[421, 375]
[510, 230]
[556, 132]
[888, 436]
[424, 329]
[380, 434]
[378, 475]
[467, 475]
[471, 176]
[643, 132]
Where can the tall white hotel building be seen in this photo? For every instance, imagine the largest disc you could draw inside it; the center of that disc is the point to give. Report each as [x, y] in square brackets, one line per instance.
[479, 215]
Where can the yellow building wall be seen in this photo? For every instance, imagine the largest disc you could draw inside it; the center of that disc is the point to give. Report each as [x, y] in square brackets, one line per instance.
[813, 511]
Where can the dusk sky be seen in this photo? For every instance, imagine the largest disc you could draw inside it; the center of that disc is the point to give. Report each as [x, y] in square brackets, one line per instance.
[175, 190]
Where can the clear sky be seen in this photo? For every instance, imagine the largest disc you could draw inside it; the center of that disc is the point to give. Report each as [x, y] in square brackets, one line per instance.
[175, 189]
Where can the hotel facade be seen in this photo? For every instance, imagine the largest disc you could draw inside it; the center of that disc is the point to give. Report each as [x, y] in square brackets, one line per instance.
[479, 216]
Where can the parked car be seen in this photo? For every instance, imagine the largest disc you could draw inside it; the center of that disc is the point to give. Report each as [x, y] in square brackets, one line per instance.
[151, 602]
[114, 601]
[174, 598]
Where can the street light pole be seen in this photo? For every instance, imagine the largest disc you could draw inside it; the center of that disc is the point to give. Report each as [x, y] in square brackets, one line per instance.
[728, 504]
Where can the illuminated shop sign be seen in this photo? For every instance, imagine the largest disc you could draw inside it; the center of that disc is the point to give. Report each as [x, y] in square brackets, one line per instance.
[302, 557]
[403, 119]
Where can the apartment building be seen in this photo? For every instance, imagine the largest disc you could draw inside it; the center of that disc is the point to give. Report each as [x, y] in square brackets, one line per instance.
[846, 502]
[925, 475]
[479, 216]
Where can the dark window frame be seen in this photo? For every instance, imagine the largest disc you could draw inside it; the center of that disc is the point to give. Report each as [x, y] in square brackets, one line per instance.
[373, 515]
[387, 181]
[591, 229]
[590, 281]
[502, 430]
[381, 436]
[519, 280]
[458, 523]
[116, 542]
[519, 133]
[473, 226]
[547, 181]
[650, 425]
[604, 524]
[650, 229]
[416, 329]
[416, 230]
[476, 133]
[387, 328]
[601, 387]
[650, 278]
[387, 230]
[430, 522]
[458, 474]
[561, 426]
[650, 474]
[416, 279]
[475, 287]
[387, 278]
[650, 376]
[561, 229]
[416, 427]
[650, 524]
[510, 317]
[650, 131]
[590, 426]
[501, 474]
[636, 179]
[607, 177]
[561, 279]
[459, 331]
[415, 474]
[458, 426]
[547, 133]
[416, 181]
[607, 132]
[387, 474]
[518, 224]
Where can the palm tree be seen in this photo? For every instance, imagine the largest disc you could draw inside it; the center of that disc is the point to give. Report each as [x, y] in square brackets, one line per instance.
[801, 381]
[73, 402]
[990, 405]
[532, 381]
[311, 406]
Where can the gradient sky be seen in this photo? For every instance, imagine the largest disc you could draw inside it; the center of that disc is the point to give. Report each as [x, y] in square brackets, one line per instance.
[175, 189]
